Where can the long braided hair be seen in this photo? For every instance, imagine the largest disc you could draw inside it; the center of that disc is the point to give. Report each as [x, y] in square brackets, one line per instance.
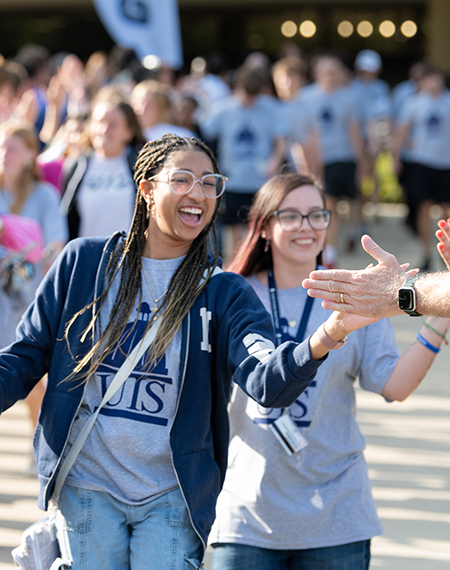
[186, 284]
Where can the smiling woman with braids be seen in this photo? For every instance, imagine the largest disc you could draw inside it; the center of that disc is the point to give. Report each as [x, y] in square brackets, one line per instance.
[143, 489]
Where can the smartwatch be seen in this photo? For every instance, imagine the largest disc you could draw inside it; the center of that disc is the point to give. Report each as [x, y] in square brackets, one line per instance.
[407, 298]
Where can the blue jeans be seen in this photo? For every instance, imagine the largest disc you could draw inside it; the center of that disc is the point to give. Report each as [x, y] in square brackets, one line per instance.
[106, 533]
[352, 556]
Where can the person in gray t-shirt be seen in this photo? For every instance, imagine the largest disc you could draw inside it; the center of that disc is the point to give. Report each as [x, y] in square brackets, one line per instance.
[336, 143]
[249, 131]
[297, 487]
[425, 118]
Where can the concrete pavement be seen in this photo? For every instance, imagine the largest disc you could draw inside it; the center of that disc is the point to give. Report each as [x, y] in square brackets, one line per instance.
[408, 448]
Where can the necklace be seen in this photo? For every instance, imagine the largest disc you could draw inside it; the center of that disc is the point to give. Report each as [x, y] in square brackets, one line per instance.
[156, 300]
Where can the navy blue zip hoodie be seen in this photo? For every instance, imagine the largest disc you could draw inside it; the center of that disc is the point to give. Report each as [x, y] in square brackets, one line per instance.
[228, 335]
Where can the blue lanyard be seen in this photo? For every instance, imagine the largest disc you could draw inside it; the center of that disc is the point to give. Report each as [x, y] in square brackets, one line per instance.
[276, 312]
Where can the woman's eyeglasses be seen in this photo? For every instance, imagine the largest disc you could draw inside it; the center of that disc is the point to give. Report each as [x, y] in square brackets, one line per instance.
[182, 181]
[292, 220]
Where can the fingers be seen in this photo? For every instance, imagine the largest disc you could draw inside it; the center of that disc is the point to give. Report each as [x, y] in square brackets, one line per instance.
[444, 253]
[411, 273]
[328, 279]
[443, 246]
[341, 307]
[378, 253]
[337, 298]
[321, 293]
[443, 234]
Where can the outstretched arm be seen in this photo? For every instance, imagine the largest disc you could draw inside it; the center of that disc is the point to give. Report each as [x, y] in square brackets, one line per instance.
[373, 292]
[413, 366]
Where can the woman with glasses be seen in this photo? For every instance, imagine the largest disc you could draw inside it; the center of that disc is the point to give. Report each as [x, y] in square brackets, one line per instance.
[142, 492]
[297, 492]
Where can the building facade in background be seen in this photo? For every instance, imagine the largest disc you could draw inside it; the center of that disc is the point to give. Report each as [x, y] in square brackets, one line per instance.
[402, 31]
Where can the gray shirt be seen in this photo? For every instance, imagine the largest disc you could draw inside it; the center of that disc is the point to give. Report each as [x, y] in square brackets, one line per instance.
[429, 121]
[127, 453]
[246, 137]
[320, 496]
[330, 114]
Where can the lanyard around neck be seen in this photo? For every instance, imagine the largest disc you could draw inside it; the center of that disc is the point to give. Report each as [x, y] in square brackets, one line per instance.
[276, 312]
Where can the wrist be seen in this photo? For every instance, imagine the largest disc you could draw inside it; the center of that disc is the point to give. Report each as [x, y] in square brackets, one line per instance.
[428, 345]
[407, 298]
[327, 341]
[434, 332]
[335, 327]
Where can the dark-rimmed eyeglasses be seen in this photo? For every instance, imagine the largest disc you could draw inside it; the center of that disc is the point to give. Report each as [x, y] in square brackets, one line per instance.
[182, 181]
[292, 220]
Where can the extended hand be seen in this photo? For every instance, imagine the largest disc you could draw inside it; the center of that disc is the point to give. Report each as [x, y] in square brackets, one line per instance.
[370, 292]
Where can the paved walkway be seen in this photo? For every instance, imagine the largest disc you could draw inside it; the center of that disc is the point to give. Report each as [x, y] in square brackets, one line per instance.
[408, 450]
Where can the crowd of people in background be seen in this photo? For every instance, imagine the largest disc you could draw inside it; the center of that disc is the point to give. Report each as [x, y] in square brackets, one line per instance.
[312, 114]
[70, 135]
[337, 134]
[83, 123]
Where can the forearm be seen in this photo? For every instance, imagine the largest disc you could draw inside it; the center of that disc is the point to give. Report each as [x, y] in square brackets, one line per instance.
[413, 366]
[433, 294]
[335, 332]
[380, 294]
[337, 327]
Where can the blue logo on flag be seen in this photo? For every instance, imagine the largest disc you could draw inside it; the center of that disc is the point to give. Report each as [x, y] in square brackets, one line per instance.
[135, 11]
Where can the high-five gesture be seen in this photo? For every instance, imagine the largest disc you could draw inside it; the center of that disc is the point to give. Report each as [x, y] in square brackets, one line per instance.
[370, 292]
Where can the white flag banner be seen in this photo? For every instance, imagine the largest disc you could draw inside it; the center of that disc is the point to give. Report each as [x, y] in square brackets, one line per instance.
[150, 27]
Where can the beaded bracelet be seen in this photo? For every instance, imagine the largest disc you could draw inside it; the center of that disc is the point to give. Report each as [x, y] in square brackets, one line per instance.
[427, 344]
[437, 332]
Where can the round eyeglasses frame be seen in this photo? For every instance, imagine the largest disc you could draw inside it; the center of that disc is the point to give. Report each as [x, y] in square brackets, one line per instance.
[301, 217]
[169, 174]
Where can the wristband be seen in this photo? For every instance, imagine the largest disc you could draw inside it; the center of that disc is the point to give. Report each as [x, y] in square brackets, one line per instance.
[327, 341]
[427, 344]
[437, 332]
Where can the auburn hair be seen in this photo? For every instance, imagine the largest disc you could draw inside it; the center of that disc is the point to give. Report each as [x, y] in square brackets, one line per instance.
[251, 256]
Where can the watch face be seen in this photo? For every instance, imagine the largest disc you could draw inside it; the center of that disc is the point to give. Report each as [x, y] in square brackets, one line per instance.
[406, 299]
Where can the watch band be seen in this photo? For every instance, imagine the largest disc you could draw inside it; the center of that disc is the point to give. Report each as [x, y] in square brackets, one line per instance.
[409, 284]
[327, 341]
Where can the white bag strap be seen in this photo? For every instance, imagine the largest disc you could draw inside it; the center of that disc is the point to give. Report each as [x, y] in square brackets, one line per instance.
[122, 374]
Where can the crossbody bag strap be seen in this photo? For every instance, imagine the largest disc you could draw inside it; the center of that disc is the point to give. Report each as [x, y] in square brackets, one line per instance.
[122, 374]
